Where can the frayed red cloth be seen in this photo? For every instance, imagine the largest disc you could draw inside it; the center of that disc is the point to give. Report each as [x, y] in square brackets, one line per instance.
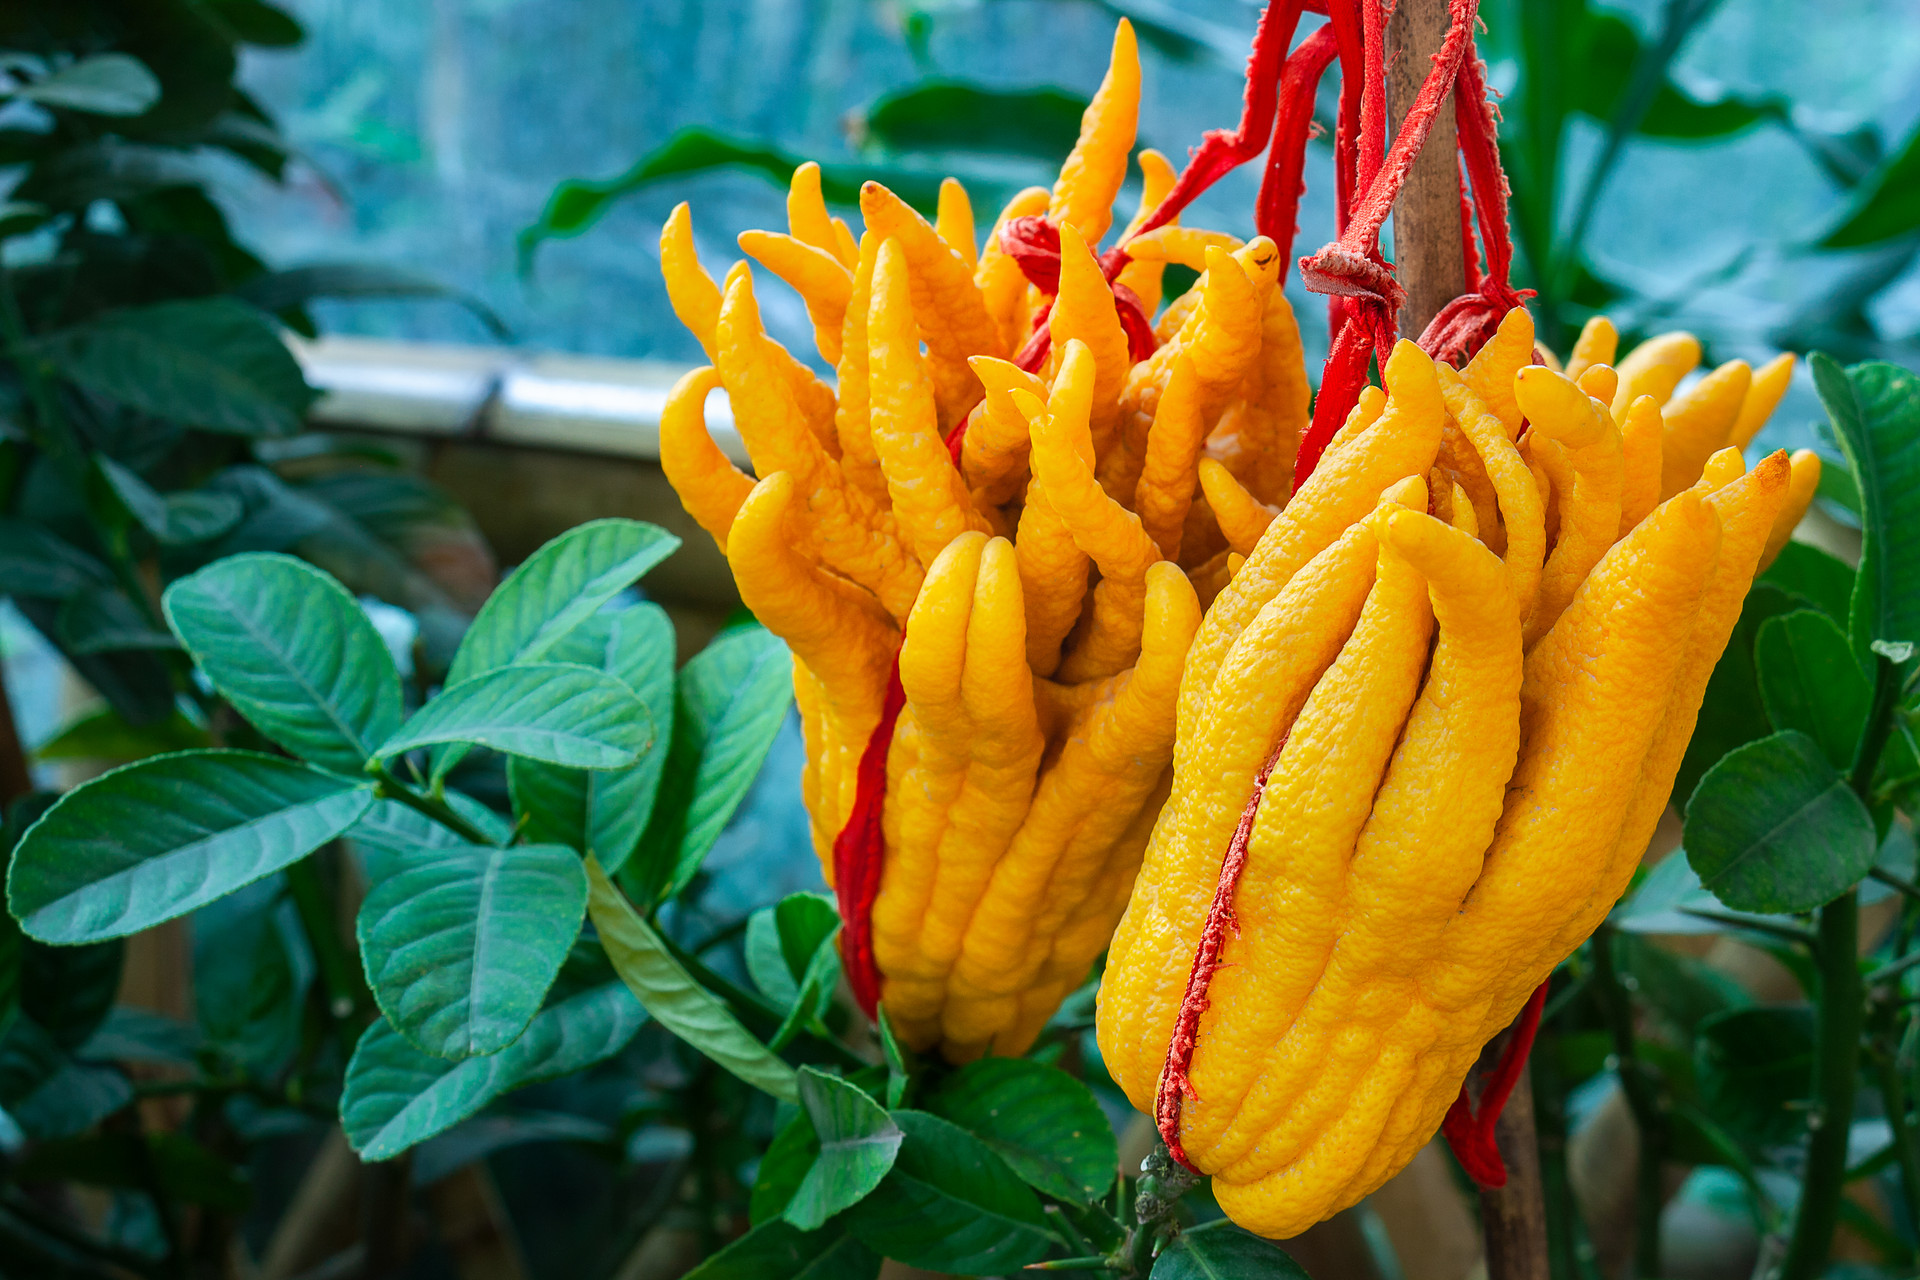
[859, 852]
[1471, 1133]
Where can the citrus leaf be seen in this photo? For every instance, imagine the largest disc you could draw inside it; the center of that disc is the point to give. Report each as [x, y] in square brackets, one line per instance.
[294, 654]
[777, 1251]
[207, 362]
[951, 1204]
[1045, 1124]
[1219, 1250]
[1810, 682]
[1875, 409]
[1774, 828]
[106, 84]
[858, 1143]
[461, 943]
[552, 711]
[671, 995]
[396, 1096]
[155, 839]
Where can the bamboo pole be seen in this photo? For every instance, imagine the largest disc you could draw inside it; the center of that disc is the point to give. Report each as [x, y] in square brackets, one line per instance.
[1428, 259]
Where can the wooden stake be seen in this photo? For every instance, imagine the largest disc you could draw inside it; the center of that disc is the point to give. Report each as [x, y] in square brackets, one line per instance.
[1428, 259]
[1427, 255]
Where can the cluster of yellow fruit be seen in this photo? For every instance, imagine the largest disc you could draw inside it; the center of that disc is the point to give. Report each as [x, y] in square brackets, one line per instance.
[1432, 703]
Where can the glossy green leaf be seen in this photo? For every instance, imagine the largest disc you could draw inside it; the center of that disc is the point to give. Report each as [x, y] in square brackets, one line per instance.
[578, 203]
[1681, 991]
[1875, 409]
[249, 991]
[1773, 827]
[104, 735]
[69, 991]
[397, 1097]
[1820, 579]
[857, 1145]
[172, 1162]
[213, 363]
[958, 115]
[781, 941]
[556, 589]
[783, 1167]
[104, 619]
[105, 84]
[729, 703]
[461, 943]
[552, 711]
[1810, 681]
[951, 1204]
[294, 654]
[1045, 1124]
[1219, 1250]
[671, 995]
[257, 22]
[34, 562]
[298, 286]
[1732, 713]
[1886, 205]
[174, 519]
[158, 838]
[390, 834]
[777, 1251]
[604, 813]
[1755, 1072]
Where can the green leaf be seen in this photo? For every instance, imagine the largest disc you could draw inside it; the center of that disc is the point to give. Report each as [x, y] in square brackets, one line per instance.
[397, 1097]
[553, 711]
[33, 562]
[1885, 205]
[951, 1204]
[174, 519]
[1219, 1250]
[294, 654]
[156, 839]
[206, 362]
[1810, 681]
[1680, 990]
[1822, 580]
[391, 835]
[106, 84]
[671, 995]
[556, 589]
[782, 1169]
[1045, 1124]
[578, 203]
[604, 813]
[174, 1163]
[1755, 1072]
[858, 1143]
[730, 702]
[256, 22]
[958, 115]
[248, 993]
[1774, 828]
[776, 1251]
[1875, 409]
[781, 941]
[460, 944]
[298, 286]
[1732, 713]
[103, 619]
[104, 734]
[68, 991]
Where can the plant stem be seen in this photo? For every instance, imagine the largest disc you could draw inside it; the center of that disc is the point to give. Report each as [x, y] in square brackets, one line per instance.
[1842, 1015]
[339, 970]
[1642, 1100]
[1836, 1063]
[1893, 1093]
[391, 788]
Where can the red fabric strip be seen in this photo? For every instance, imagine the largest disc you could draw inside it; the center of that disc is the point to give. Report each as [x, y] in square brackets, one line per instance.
[1471, 1133]
[859, 852]
[1276, 216]
[1174, 1081]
